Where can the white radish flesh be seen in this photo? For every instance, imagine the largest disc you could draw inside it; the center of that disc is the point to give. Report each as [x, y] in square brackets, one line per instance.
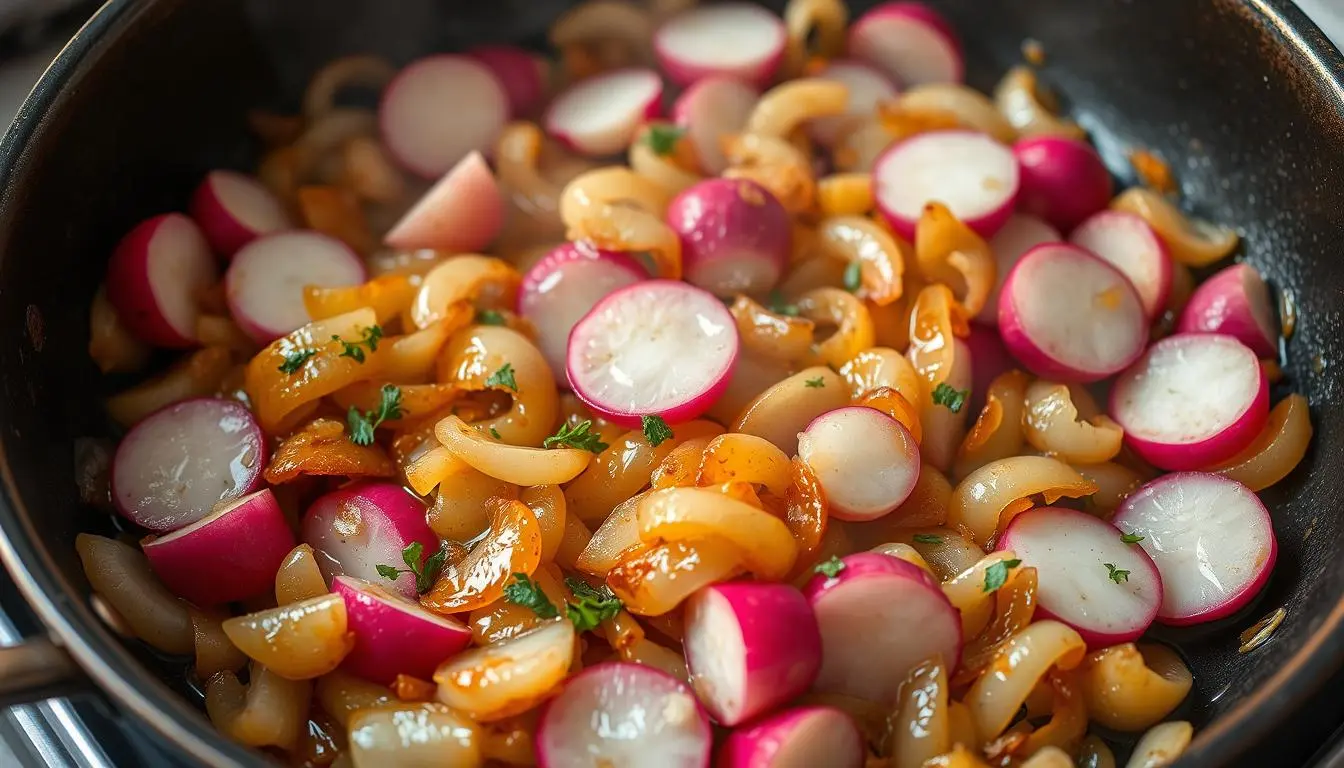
[461, 213]
[234, 209]
[1127, 243]
[868, 88]
[1235, 302]
[438, 110]
[866, 461]
[522, 73]
[599, 116]
[265, 281]
[908, 41]
[796, 738]
[739, 40]
[1063, 180]
[972, 174]
[735, 236]
[355, 529]
[154, 277]
[1015, 239]
[711, 109]
[393, 635]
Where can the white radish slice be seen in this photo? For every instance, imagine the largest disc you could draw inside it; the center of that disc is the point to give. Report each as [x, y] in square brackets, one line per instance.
[805, 737]
[1015, 239]
[1069, 316]
[173, 467]
[910, 42]
[154, 276]
[1063, 180]
[438, 110]
[879, 617]
[624, 715]
[868, 88]
[1212, 541]
[394, 635]
[975, 176]
[461, 213]
[1088, 577]
[866, 461]
[356, 529]
[234, 209]
[656, 348]
[711, 109]
[735, 236]
[1235, 302]
[264, 283]
[599, 116]
[1127, 243]
[1192, 401]
[750, 647]
[522, 73]
[741, 40]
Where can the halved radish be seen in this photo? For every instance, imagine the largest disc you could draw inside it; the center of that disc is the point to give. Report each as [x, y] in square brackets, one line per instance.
[739, 40]
[1063, 180]
[735, 236]
[879, 617]
[868, 88]
[866, 461]
[910, 42]
[438, 110]
[522, 73]
[154, 276]
[796, 738]
[265, 280]
[1193, 400]
[393, 635]
[656, 348]
[1015, 239]
[461, 213]
[621, 714]
[750, 647]
[711, 109]
[356, 529]
[1127, 243]
[233, 209]
[972, 174]
[1089, 577]
[1211, 538]
[229, 554]
[1069, 316]
[599, 116]
[177, 464]
[1235, 302]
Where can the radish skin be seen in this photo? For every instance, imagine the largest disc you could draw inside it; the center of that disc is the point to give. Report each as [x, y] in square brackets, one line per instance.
[796, 738]
[908, 41]
[438, 110]
[393, 635]
[735, 236]
[265, 281]
[154, 276]
[711, 109]
[234, 209]
[866, 461]
[1234, 302]
[1063, 180]
[1015, 239]
[1127, 243]
[355, 529]
[738, 40]
[868, 88]
[522, 73]
[600, 115]
[461, 213]
[972, 174]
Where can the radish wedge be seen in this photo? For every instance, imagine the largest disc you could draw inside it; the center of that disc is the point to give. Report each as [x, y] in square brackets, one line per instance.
[1014, 240]
[711, 109]
[265, 281]
[868, 88]
[599, 116]
[866, 461]
[461, 213]
[796, 738]
[521, 72]
[393, 635]
[1193, 400]
[1069, 316]
[1234, 302]
[1127, 243]
[1212, 541]
[659, 347]
[735, 236]
[1089, 577]
[910, 42]
[154, 276]
[356, 529]
[218, 441]
[972, 174]
[740, 40]
[624, 715]
[438, 110]
[1063, 180]
[234, 209]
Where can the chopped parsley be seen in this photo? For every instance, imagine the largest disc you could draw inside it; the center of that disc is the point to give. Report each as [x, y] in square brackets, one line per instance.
[355, 349]
[490, 317]
[853, 276]
[952, 399]
[362, 424]
[425, 573]
[927, 538]
[591, 606]
[527, 593]
[503, 378]
[996, 575]
[1118, 575]
[662, 139]
[1130, 538]
[656, 430]
[495, 433]
[779, 306]
[816, 383]
[295, 360]
[578, 436]
[831, 568]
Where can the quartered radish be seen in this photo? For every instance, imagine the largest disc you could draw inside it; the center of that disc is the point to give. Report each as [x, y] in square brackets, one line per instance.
[975, 176]
[177, 464]
[356, 529]
[438, 110]
[233, 209]
[624, 715]
[154, 277]
[229, 554]
[522, 73]
[394, 635]
[656, 348]
[711, 109]
[908, 41]
[1088, 576]
[750, 647]
[1212, 541]
[1235, 302]
[1069, 316]
[461, 213]
[1192, 401]
[796, 738]
[867, 89]
[1063, 180]
[741, 40]
[866, 461]
[1015, 238]
[1127, 243]
[735, 236]
[879, 617]
[599, 116]
[264, 283]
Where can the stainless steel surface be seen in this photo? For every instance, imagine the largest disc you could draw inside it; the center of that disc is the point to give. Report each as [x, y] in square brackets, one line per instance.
[33, 670]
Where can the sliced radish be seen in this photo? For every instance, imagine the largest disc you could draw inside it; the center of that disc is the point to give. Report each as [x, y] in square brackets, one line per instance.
[659, 347]
[1212, 541]
[796, 738]
[1089, 578]
[990, 358]
[177, 464]
[229, 554]
[1127, 243]
[1063, 180]
[621, 714]
[739, 40]
[521, 72]
[1019, 234]
[910, 42]
[1069, 316]
[868, 88]
[356, 529]
[393, 635]
[461, 213]
[599, 116]
[866, 461]
[711, 109]
[1235, 302]
[971, 173]
[735, 236]
[750, 647]
[1193, 400]
[879, 617]
[154, 276]
[265, 280]
[234, 209]
[438, 110]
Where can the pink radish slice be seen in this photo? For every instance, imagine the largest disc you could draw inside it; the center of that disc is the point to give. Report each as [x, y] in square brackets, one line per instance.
[1063, 180]
[177, 464]
[990, 358]
[1234, 302]
[806, 737]
[234, 209]
[229, 554]
[521, 72]
[710, 109]
[394, 635]
[867, 89]
[735, 236]
[1070, 551]
[879, 617]
[910, 42]
[739, 40]
[624, 715]
[1212, 541]
[659, 347]
[971, 173]
[750, 647]
[1069, 316]
[1018, 235]
[599, 116]
[438, 110]
[265, 280]
[1127, 243]
[154, 276]
[1193, 400]
[461, 213]
[563, 286]
[357, 528]
[866, 461]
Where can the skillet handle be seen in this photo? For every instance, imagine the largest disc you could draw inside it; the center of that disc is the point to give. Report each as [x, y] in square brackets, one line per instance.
[37, 669]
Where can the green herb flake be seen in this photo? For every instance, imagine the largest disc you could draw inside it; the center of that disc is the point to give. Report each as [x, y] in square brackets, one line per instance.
[928, 538]
[779, 306]
[656, 430]
[816, 383]
[951, 399]
[996, 575]
[1118, 575]
[363, 424]
[490, 317]
[503, 378]
[1130, 538]
[831, 568]
[355, 349]
[527, 593]
[662, 139]
[495, 433]
[591, 606]
[425, 573]
[295, 360]
[853, 276]
[578, 436]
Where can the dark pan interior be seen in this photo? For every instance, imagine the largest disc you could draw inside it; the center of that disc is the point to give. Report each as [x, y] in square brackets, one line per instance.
[1242, 97]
